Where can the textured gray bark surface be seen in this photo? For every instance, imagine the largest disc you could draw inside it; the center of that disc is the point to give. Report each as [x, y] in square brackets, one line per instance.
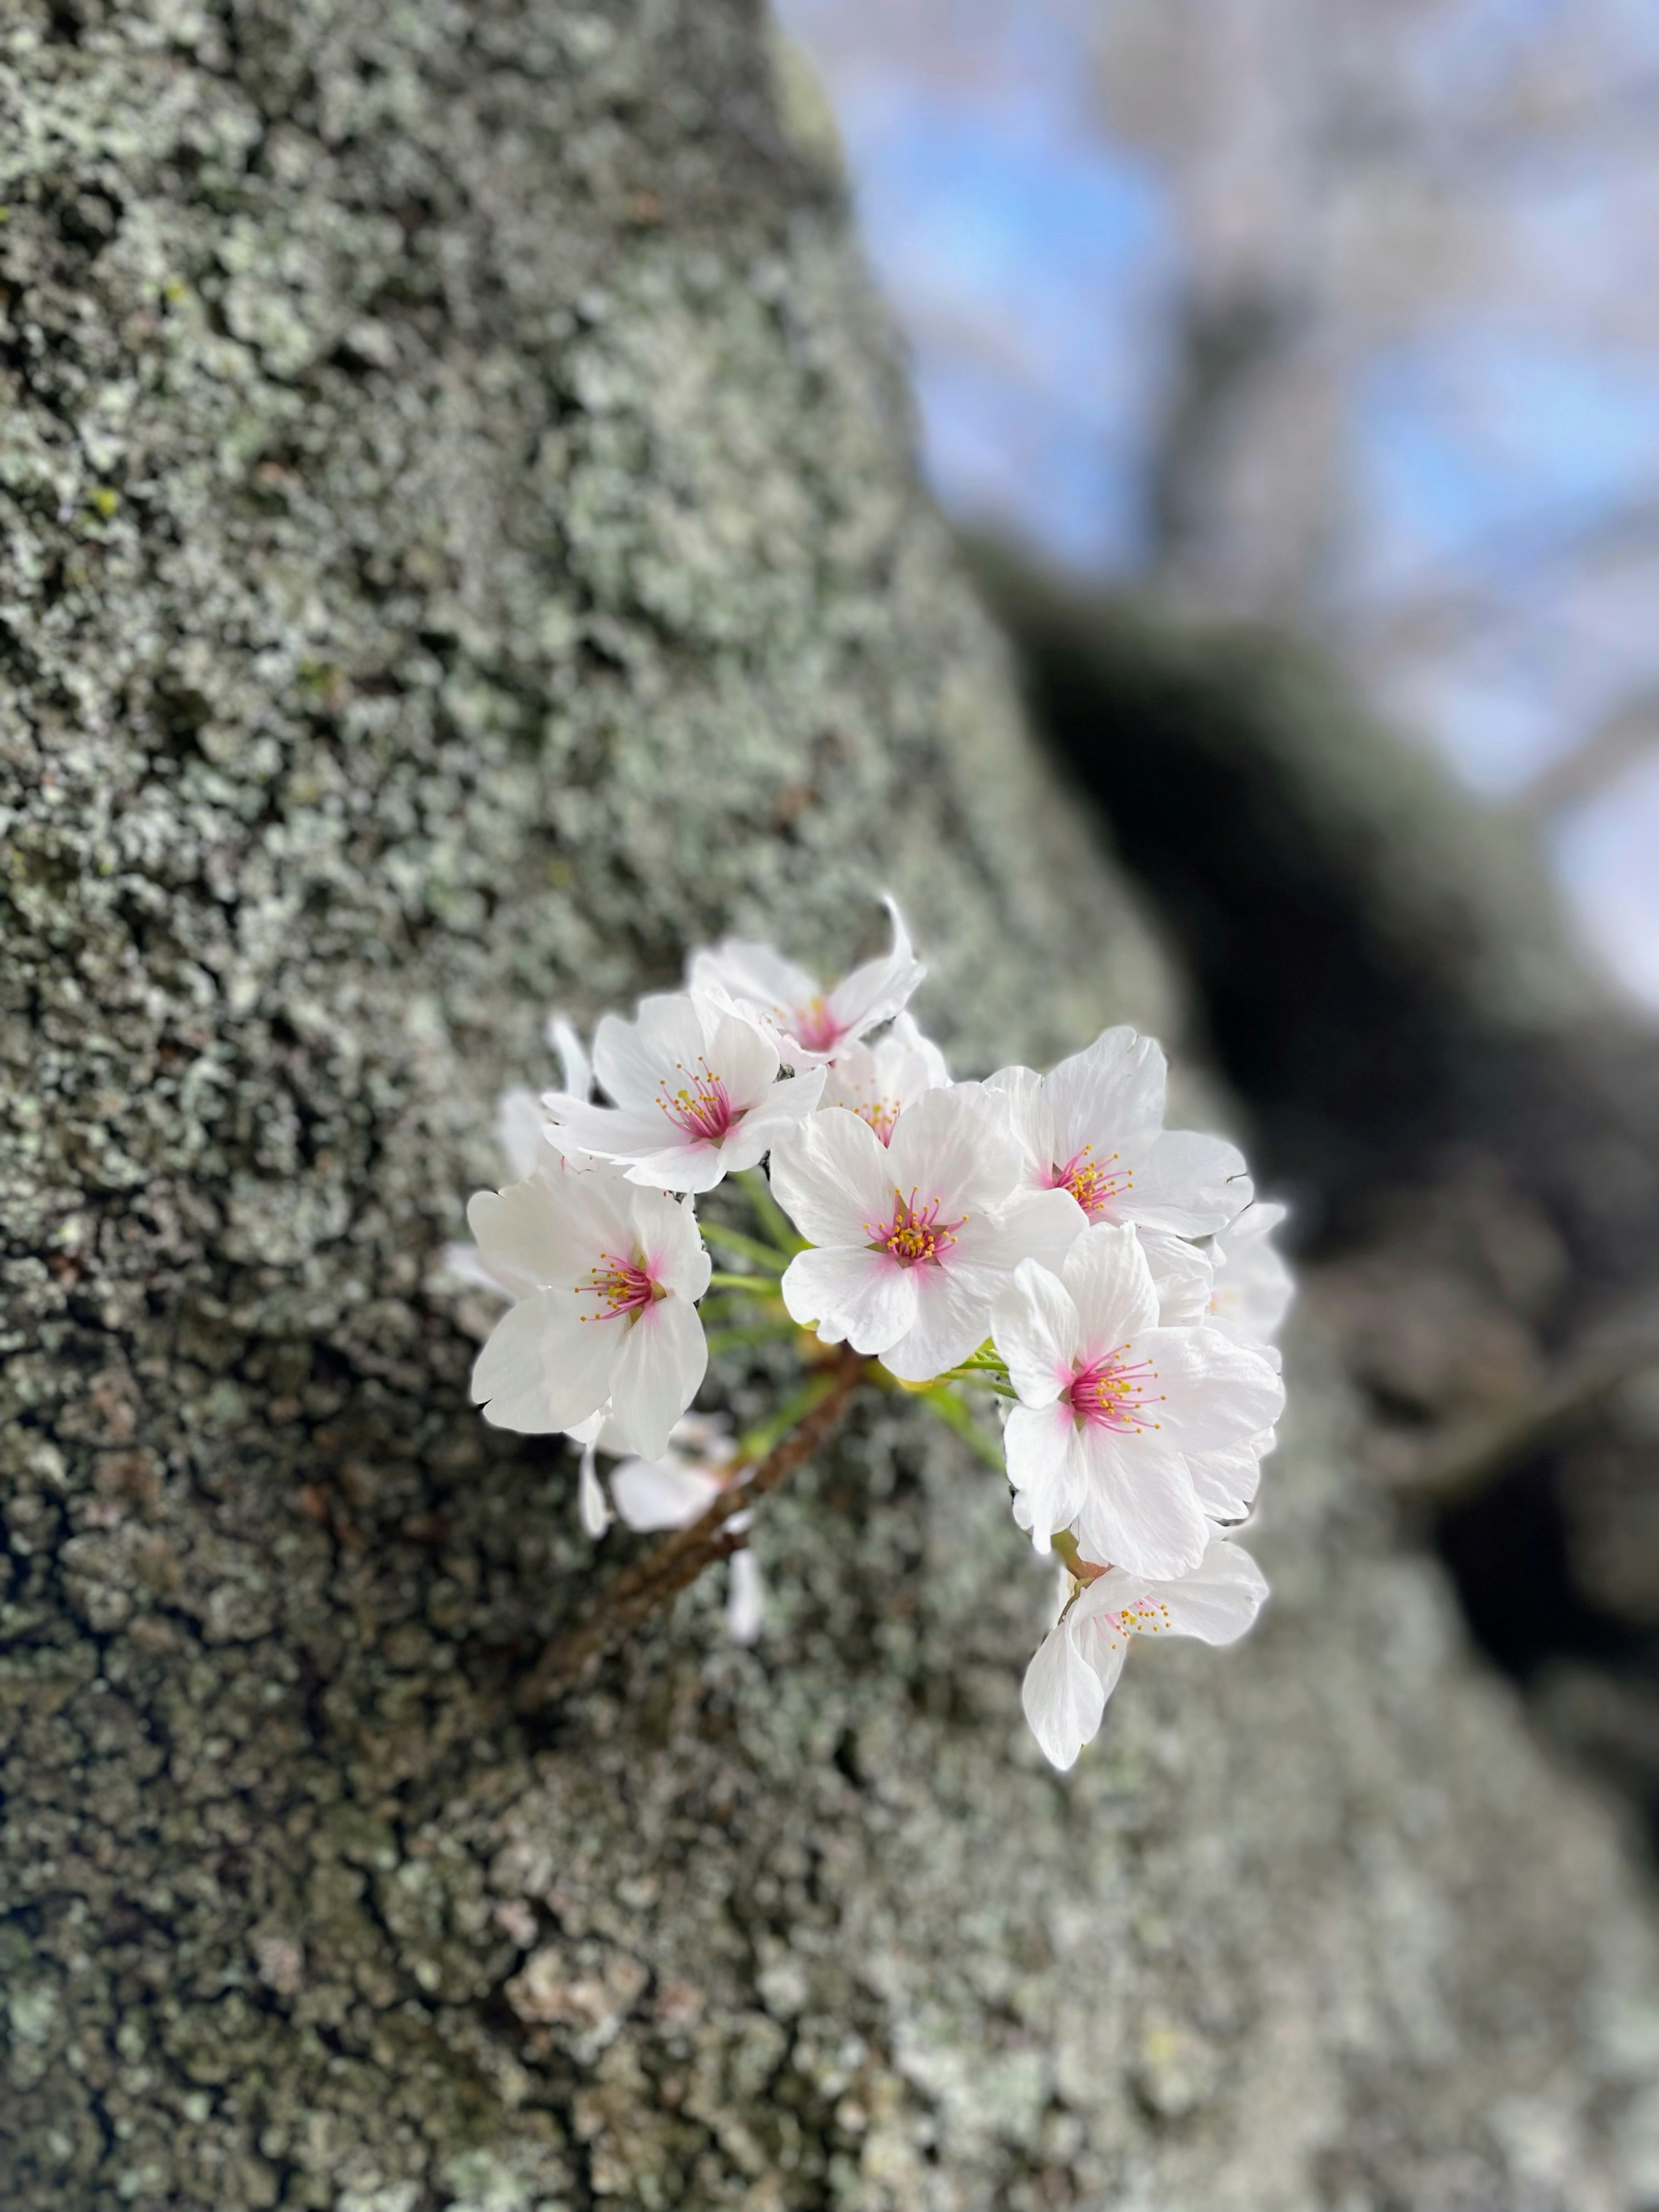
[456, 548]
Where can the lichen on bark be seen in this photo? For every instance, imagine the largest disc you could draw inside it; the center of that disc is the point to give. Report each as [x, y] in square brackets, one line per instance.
[456, 549]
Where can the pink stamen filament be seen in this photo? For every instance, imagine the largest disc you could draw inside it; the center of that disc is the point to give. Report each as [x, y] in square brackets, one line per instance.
[1114, 1394]
[817, 1027]
[621, 1286]
[701, 1106]
[915, 1236]
[1095, 1184]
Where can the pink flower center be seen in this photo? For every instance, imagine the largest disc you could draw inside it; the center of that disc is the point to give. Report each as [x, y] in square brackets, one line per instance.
[700, 1106]
[1114, 1393]
[620, 1286]
[817, 1027]
[880, 1114]
[1146, 1616]
[914, 1235]
[1095, 1184]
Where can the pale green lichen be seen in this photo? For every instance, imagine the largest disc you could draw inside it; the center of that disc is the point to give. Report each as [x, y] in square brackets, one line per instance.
[456, 550]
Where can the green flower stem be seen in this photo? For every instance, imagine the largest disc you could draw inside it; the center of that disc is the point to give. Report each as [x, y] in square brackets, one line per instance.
[758, 1332]
[775, 1221]
[740, 1247]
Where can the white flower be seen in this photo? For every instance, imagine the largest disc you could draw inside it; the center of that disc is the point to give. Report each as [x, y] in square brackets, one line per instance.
[1252, 1287]
[1113, 1409]
[518, 1125]
[811, 1025]
[695, 1092]
[877, 1081]
[1078, 1662]
[573, 1060]
[1094, 1128]
[912, 1238]
[614, 1273]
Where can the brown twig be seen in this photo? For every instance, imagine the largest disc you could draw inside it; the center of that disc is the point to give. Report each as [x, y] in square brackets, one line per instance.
[681, 1558]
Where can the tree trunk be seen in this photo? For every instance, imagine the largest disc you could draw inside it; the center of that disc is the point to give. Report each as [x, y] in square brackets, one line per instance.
[457, 550]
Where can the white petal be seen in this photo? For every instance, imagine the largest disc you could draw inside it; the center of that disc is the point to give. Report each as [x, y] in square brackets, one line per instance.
[1047, 1466]
[1226, 1478]
[868, 1300]
[1182, 1276]
[590, 1498]
[543, 1367]
[646, 1141]
[663, 1361]
[633, 1060]
[1064, 1696]
[546, 1230]
[877, 991]
[1035, 1324]
[468, 1265]
[1017, 1094]
[1109, 1093]
[830, 1174]
[952, 1318]
[575, 1064]
[1252, 1287]
[1187, 1185]
[666, 1233]
[746, 1598]
[519, 1119]
[753, 974]
[951, 1145]
[1107, 1275]
[1215, 1392]
[742, 1058]
[779, 1108]
[661, 1493]
[1139, 1511]
[1032, 1225]
[1220, 1599]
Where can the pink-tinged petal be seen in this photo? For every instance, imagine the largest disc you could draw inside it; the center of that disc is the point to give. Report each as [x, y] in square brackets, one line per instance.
[665, 1231]
[1018, 1096]
[1033, 1225]
[1047, 1466]
[868, 1300]
[543, 1367]
[1215, 1392]
[1107, 1277]
[1140, 1511]
[1188, 1185]
[663, 1493]
[1183, 1276]
[952, 1147]
[663, 1361]
[633, 1060]
[1110, 1091]
[1063, 1696]
[1226, 1478]
[744, 1059]
[1219, 1600]
[877, 990]
[754, 973]
[1035, 1325]
[830, 1174]
[952, 1318]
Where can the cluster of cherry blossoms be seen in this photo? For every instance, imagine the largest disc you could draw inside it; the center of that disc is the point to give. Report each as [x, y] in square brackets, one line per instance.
[1040, 1242]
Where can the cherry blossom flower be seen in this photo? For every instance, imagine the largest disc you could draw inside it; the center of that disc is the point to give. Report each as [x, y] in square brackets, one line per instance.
[911, 1239]
[1114, 1407]
[810, 1023]
[613, 1274]
[1252, 1287]
[695, 1092]
[877, 1081]
[1077, 1666]
[1094, 1128]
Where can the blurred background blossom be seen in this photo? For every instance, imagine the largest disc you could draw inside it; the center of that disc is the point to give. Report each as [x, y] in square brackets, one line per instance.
[1332, 312]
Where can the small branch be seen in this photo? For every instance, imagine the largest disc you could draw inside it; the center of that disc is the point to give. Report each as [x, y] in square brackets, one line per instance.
[681, 1558]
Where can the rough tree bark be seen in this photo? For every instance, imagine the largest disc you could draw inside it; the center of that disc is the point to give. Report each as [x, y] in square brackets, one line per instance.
[457, 548]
